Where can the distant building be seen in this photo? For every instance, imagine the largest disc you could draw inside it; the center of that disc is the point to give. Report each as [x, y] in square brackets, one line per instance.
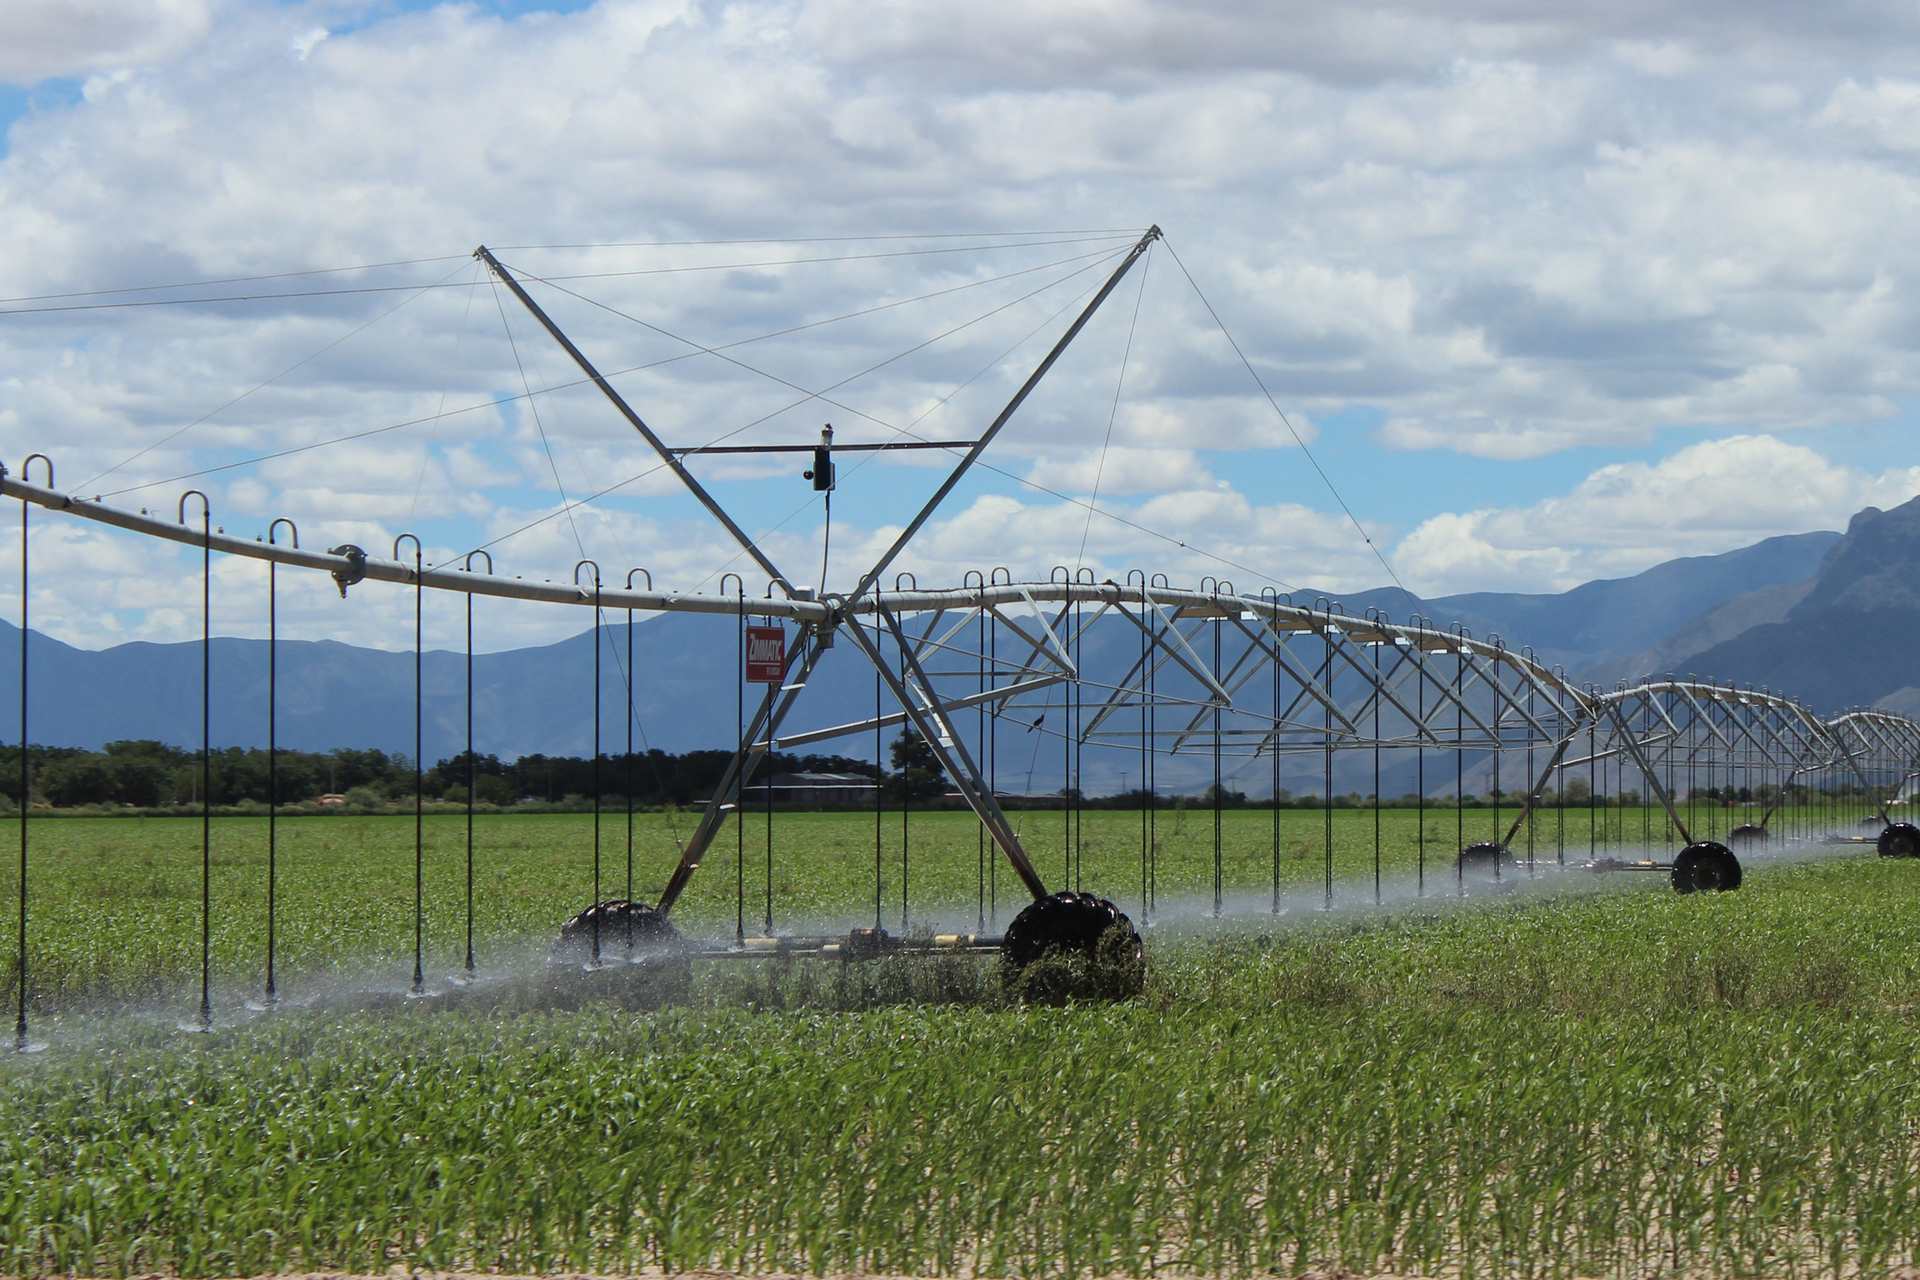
[815, 788]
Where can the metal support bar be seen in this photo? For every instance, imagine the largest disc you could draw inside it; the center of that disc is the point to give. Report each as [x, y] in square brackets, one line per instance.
[1004, 693]
[947, 746]
[882, 446]
[1647, 771]
[667, 455]
[1528, 805]
[727, 794]
[1786, 780]
[1846, 752]
[986, 437]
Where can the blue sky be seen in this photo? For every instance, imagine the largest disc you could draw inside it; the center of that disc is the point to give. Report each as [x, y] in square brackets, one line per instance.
[1551, 295]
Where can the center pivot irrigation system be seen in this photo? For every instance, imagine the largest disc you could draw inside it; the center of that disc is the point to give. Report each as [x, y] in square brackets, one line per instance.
[1153, 671]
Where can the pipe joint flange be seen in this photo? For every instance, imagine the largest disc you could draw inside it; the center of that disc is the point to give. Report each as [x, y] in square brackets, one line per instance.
[356, 570]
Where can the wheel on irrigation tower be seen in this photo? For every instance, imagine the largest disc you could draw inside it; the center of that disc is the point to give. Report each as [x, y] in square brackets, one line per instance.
[1072, 946]
[1748, 833]
[1873, 820]
[1900, 840]
[1485, 861]
[1706, 865]
[623, 926]
[643, 962]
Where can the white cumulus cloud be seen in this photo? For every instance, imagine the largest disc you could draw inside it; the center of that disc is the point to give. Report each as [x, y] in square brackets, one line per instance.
[1706, 498]
[1499, 228]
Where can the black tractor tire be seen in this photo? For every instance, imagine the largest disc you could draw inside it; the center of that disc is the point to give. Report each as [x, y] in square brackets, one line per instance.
[653, 971]
[1748, 833]
[623, 926]
[1706, 866]
[1486, 860]
[1069, 946]
[1900, 840]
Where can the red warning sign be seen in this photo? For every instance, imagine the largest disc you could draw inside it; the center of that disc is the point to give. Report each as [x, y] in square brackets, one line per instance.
[766, 654]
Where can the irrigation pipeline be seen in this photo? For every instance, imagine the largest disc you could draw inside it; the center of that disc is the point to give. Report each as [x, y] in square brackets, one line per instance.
[1812, 743]
[352, 566]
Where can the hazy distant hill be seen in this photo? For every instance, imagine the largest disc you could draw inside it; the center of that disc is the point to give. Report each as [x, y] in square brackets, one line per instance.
[1607, 620]
[1677, 654]
[1844, 638]
[1618, 616]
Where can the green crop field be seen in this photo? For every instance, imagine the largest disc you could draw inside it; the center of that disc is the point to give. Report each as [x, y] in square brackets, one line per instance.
[1589, 1078]
[116, 901]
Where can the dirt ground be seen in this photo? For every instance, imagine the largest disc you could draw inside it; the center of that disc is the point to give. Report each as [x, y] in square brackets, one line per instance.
[397, 1273]
[1897, 1273]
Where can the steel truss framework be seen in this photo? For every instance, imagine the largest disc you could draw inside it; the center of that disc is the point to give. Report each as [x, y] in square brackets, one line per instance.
[1145, 667]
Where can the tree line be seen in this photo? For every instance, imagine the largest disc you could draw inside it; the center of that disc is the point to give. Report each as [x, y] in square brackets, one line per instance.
[149, 774]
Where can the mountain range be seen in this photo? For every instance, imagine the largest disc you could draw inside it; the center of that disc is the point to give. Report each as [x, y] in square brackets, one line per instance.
[1842, 637]
[1618, 619]
[1825, 616]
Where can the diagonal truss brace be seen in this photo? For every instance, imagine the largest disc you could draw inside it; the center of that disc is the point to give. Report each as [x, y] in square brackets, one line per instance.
[668, 456]
[929, 716]
[914, 526]
[755, 743]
